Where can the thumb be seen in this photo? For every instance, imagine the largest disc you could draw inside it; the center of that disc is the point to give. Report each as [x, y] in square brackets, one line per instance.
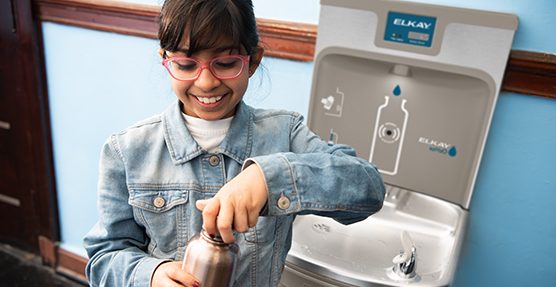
[201, 203]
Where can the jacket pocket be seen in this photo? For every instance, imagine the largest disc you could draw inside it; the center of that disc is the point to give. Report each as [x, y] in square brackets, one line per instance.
[263, 232]
[162, 211]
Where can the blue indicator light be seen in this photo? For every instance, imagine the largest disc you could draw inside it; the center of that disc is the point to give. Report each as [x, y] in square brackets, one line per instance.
[397, 91]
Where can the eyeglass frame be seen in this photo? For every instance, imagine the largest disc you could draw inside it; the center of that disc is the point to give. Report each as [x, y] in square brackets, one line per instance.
[244, 60]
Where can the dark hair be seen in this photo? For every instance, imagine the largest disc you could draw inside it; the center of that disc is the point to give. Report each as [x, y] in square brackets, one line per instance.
[208, 22]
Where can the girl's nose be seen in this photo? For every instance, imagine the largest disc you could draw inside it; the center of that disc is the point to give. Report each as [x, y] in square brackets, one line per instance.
[206, 80]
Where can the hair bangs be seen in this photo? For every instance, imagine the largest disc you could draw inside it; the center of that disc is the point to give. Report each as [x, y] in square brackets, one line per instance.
[215, 28]
[207, 24]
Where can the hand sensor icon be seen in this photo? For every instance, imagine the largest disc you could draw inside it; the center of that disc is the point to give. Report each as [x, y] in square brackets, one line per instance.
[327, 102]
[333, 104]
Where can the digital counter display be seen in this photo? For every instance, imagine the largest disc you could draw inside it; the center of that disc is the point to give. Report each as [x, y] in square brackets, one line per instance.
[410, 29]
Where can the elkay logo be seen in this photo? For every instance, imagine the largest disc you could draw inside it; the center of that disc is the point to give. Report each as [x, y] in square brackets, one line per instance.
[412, 23]
[439, 147]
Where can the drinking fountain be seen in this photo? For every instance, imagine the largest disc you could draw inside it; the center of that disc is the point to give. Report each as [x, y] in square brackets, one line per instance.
[412, 87]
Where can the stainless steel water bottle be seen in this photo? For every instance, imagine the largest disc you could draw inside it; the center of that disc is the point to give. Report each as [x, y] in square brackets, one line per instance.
[210, 260]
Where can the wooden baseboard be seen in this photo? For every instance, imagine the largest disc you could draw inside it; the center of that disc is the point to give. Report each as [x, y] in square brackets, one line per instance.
[71, 265]
[63, 261]
[48, 250]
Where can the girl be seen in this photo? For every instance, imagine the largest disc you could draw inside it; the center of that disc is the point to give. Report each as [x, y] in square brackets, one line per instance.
[212, 161]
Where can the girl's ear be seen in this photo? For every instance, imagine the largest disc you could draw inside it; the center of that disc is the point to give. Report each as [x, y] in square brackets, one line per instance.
[255, 60]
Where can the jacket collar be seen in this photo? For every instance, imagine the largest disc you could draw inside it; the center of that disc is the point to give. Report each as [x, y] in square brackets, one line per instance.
[182, 146]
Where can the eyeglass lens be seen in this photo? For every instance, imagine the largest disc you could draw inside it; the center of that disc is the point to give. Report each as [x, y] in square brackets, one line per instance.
[225, 67]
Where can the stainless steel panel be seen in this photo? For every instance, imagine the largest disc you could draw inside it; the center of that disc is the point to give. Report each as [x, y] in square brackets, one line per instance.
[361, 254]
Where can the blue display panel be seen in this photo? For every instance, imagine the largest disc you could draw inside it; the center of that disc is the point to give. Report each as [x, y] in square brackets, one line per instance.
[410, 29]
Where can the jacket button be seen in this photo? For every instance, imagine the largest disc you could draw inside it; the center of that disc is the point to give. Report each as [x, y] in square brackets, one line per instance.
[159, 201]
[283, 202]
[214, 160]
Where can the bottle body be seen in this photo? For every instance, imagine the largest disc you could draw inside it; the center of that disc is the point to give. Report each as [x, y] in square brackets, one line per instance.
[211, 261]
[388, 135]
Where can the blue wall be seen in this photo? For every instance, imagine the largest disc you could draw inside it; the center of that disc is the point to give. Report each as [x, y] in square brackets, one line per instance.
[101, 82]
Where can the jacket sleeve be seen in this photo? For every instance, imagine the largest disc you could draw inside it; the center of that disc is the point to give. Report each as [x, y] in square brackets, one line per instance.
[116, 244]
[318, 178]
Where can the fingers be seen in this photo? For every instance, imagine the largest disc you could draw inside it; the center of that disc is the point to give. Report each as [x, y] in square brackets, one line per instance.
[218, 218]
[186, 279]
[200, 204]
[210, 209]
[224, 221]
[236, 205]
[241, 222]
[253, 217]
[170, 274]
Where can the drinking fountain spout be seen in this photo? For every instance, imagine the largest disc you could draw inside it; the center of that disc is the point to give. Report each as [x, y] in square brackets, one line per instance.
[404, 263]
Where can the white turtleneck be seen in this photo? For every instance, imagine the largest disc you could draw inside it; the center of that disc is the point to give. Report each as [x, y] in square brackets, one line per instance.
[208, 134]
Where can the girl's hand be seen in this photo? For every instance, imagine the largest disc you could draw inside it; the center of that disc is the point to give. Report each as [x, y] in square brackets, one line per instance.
[237, 205]
[169, 274]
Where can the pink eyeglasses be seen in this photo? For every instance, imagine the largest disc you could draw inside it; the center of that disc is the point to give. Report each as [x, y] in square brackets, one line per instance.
[223, 67]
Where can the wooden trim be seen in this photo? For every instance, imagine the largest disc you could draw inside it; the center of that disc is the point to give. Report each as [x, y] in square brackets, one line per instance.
[295, 41]
[47, 250]
[288, 40]
[71, 265]
[531, 73]
[110, 16]
[527, 72]
[30, 128]
[63, 261]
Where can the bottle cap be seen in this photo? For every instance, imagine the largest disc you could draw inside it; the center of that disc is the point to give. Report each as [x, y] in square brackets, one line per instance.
[214, 238]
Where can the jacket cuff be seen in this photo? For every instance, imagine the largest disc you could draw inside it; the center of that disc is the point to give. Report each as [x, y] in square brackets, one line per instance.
[280, 178]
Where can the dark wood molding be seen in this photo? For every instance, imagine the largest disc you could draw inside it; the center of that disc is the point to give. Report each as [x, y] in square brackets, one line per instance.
[110, 16]
[527, 72]
[71, 265]
[46, 202]
[62, 260]
[47, 250]
[295, 41]
[288, 40]
[531, 73]
[24, 88]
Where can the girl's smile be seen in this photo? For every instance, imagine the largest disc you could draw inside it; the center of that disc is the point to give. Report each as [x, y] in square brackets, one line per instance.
[208, 103]
[208, 100]
[206, 95]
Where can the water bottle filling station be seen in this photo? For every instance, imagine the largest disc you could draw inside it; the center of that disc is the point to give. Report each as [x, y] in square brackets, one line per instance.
[412, 87]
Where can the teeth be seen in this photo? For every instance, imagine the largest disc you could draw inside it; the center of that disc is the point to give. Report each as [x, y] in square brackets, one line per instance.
[211, 100]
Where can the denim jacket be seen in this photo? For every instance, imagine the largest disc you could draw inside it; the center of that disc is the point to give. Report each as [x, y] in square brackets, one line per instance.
[152, 173]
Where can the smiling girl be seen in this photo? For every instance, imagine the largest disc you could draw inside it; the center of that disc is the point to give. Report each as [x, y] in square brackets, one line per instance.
[211, 161]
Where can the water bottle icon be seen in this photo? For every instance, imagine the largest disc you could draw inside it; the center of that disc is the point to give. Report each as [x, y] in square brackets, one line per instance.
[389, 133]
